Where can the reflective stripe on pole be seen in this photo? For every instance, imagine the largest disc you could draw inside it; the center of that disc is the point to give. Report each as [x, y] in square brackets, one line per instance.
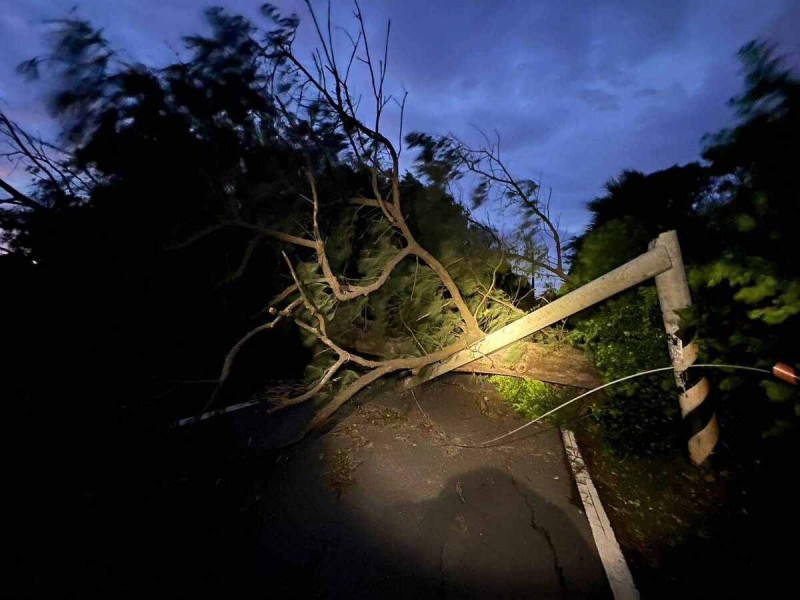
[697, 411]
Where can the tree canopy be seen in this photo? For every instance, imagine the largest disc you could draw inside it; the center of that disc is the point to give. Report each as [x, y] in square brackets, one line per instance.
[735, 214]
[189, 213]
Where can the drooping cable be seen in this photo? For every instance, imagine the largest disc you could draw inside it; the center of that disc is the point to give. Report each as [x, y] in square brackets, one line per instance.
[605, 385]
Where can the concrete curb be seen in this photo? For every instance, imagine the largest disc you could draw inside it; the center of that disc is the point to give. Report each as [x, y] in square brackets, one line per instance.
[619, 576]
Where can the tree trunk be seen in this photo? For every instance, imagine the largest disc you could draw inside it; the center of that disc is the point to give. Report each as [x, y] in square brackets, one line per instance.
[561, 364]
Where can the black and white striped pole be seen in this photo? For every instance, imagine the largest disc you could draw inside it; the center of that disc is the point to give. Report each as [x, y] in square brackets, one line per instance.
[697, 411]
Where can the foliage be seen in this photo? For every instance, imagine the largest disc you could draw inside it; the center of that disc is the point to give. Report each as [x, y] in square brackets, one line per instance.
[532, 398]
[748, 310]
[168, 151]
[735, 217]
[625, 335]
[165, 257]
[534, 245]
[411, 314]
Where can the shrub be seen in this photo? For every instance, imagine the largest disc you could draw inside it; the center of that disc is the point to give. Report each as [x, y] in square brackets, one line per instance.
[531, 398]
[625, 335]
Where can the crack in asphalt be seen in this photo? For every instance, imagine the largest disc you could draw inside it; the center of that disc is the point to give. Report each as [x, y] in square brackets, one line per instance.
[540, 529]
[442, 574]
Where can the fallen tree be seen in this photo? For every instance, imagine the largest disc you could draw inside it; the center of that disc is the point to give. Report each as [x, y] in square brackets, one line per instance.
[366, 248]
[462, 307]
[562, 365]
[278, 161]
[551, 362]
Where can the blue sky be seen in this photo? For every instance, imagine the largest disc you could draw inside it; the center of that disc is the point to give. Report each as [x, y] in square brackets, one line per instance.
[577, 89]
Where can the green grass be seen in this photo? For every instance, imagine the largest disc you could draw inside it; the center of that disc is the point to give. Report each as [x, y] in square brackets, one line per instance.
[532, 398]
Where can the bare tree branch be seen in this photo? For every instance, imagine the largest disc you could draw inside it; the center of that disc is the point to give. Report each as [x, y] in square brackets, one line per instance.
[371, 148]
[18, 197]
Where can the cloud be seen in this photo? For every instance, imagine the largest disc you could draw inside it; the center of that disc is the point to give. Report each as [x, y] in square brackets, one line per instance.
[648, 93]
[577, 89]
[599, 99]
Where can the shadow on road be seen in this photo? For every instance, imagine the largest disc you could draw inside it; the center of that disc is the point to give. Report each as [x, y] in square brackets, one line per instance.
[485, 535]
[205, 513]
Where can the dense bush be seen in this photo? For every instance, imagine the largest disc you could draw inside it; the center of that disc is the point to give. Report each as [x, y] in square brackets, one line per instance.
[736, 217]
[626, 335]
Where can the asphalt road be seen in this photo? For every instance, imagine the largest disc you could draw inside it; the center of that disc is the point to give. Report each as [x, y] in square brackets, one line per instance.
[382, 506]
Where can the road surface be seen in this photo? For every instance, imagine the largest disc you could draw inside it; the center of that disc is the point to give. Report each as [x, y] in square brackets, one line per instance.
[382, 506]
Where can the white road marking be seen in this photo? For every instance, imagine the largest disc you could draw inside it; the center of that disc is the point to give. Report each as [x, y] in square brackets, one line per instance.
[619, 576]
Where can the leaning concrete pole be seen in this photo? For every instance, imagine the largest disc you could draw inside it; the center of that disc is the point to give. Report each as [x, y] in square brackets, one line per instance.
[673, 295]
[628, 275]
